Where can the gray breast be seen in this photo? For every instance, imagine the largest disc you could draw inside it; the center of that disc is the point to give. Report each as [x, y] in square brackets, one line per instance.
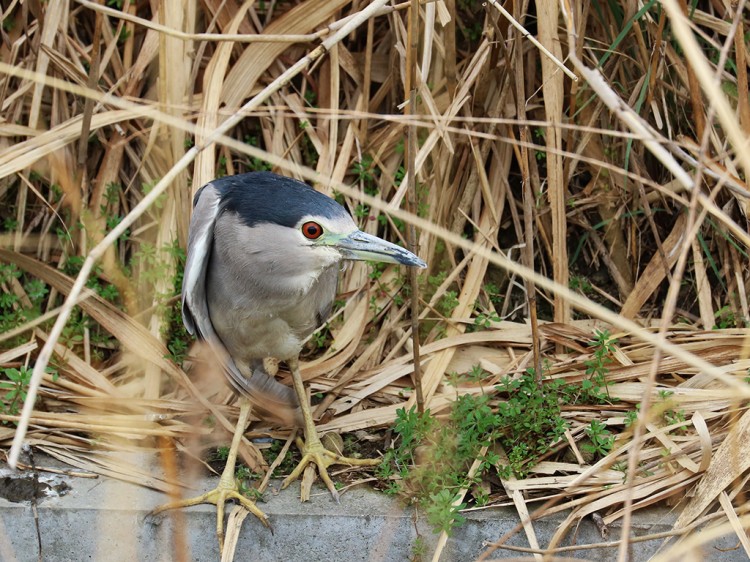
[261, 303]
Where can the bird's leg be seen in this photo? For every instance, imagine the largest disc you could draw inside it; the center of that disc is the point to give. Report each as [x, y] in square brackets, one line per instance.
[312, 449]
[228, 489]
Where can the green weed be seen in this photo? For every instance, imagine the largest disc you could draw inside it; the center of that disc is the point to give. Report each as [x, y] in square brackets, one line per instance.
[670, 415]
[601, 439]
[15, 384]
[531, 420]
[580, 284]
[256, 164]
[430, 460]
[244, 478]
[418, 549]
[493, 293]
[484, 320]
[594, 388]
[364, 171]
[173, 331]
[447, 303]
[442, 514]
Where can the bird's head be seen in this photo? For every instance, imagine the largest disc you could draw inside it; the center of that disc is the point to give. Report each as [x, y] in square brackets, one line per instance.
[299, 232]
[342, 237]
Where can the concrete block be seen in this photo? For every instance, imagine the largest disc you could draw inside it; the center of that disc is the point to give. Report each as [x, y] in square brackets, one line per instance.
[105, 519]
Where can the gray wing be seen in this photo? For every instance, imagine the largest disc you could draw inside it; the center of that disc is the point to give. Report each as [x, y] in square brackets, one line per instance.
[255, 383]
[195, 315]
[325, 293]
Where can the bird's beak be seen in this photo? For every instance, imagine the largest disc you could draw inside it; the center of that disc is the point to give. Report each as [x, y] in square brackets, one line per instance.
[362, 246]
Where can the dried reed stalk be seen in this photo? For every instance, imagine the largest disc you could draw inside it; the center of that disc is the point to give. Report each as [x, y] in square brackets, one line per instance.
[625, 192]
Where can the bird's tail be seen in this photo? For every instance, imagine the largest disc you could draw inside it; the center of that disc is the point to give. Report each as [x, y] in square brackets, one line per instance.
[264, 391]
[274, 399]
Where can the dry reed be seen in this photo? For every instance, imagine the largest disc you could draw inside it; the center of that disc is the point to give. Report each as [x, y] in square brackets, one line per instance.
[547, 207]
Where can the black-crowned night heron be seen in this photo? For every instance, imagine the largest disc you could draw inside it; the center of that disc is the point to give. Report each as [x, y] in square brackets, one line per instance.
[264, 252]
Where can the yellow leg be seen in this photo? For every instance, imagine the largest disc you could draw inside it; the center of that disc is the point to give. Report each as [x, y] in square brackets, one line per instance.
[228, 488]
[312, 449]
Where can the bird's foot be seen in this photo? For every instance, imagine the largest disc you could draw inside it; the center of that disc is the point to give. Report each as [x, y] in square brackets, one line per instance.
[314, 452]
[228, 489]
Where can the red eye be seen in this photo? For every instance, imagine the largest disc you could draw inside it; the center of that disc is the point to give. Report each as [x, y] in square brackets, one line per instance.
[312, 230]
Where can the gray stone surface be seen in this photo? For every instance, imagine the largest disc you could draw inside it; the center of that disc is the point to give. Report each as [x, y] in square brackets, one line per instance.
[104, 519]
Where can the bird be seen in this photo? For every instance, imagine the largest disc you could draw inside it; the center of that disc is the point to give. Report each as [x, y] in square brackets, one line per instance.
[263, 257]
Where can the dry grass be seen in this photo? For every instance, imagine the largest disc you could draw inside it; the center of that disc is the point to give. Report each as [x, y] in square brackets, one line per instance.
[546, 208]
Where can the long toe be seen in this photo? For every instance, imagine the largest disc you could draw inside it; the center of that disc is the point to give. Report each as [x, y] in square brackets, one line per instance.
[218, 496]
[315, 453]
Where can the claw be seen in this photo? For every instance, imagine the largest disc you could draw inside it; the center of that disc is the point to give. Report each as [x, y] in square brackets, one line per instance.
[312, 449]
[218, 496]
[227, 489]
[313, 452]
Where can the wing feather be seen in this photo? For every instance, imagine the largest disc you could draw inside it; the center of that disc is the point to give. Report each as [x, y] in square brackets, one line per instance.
[200, 241]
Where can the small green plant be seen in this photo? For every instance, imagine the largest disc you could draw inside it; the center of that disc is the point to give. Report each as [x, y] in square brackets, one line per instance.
[361, 211]
[601, 439]
[430, 460]
[725, 318]
[222, 453]
[373, 306]
[124, 35]
[321, 336]
[73, 333]
[36, 290]
[286, 465]
[15, 384]
[484, 320]
[244, 477]
[8, 271]
[173, 329]
[670, 415]
[8, 24]
[178, 348]
[581, 284]
[531, 420]
[418, 549]
[376, 270]
[632, 416]
[105, 290]
[411, 428]
[493, 293]
[423, 208]
[594, 388]
[476, 374]
[11, 312]
[447, 303]
[442, 514]
[400, 174]
[481, 498]
[434, 281]
[364, 171]
[383, 221]
[243, 473]
[112, 221]
[539, 136]
[256, 164]
[161, 199]
[221, 170]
